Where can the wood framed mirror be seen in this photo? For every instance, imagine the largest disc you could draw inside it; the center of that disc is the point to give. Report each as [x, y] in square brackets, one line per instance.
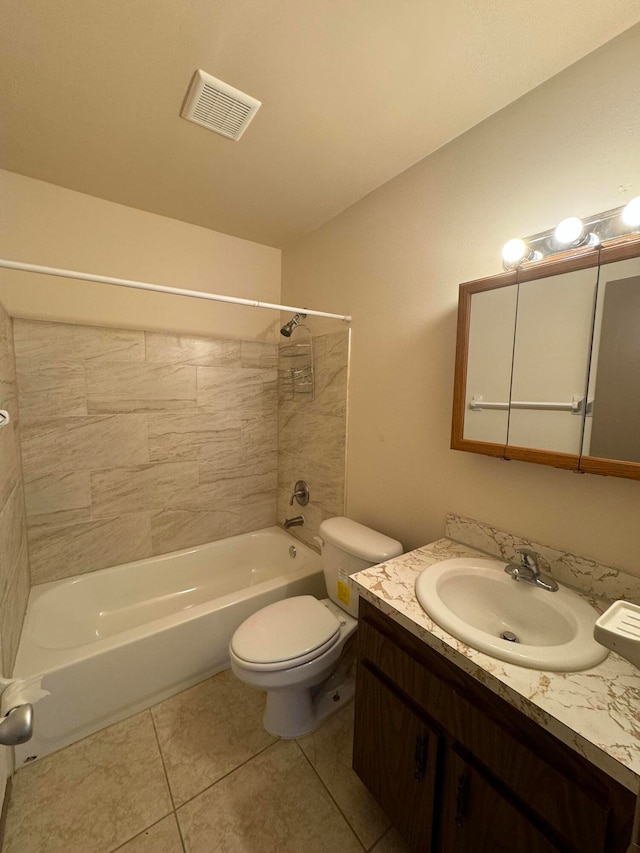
[548, 363]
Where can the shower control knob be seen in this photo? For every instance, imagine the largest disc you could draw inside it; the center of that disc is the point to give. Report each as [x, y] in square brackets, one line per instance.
[17, 726]
[300, 493]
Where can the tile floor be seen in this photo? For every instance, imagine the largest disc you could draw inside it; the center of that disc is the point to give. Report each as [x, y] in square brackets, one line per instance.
[198, 773]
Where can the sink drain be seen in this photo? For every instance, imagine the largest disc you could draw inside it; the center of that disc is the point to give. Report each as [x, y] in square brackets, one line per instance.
[509, 636]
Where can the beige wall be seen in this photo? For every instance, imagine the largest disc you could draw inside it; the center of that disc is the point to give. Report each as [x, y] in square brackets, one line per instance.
[51, 226]
[138, 443]
[394, 261]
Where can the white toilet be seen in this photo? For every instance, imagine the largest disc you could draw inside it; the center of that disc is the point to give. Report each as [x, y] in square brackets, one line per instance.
[297, 649]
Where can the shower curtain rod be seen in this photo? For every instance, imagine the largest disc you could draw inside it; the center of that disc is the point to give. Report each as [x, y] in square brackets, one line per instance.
[159, 288]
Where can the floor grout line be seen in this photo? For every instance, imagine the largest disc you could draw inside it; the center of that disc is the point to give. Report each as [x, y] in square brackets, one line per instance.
[164, 766]
[333, 799]
[166, 776]
[142, 832]
[230, 772]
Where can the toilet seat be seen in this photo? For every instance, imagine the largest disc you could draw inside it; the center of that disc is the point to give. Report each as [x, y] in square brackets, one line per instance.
[286, 633]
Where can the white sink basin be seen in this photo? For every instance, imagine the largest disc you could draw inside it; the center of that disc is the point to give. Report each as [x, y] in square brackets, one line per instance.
[477, 602]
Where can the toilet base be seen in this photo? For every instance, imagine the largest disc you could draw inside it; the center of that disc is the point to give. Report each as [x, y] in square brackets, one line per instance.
[294, 713]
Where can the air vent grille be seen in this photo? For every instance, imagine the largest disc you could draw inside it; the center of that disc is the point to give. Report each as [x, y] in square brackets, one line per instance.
[218, 106]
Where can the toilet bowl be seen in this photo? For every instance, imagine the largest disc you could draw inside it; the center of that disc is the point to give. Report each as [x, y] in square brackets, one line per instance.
[301, 650]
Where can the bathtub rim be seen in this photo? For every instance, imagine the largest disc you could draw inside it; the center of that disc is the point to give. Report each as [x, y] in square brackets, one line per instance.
[53, 659]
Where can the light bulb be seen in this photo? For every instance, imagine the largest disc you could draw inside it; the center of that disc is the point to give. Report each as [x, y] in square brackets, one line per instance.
[631, 213]
[514, 251]
[569, 232]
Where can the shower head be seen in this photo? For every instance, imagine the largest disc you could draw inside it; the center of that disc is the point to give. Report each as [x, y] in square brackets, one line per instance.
[290, 326]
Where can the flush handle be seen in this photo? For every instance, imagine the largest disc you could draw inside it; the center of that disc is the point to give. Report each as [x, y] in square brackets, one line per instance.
[17, 725]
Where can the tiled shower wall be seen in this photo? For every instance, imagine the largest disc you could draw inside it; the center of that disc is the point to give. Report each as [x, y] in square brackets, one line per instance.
[137, 443]
[14, 562]
[312, 436]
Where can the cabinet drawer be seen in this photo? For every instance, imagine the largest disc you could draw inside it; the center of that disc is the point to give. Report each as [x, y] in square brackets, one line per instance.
[552, 782]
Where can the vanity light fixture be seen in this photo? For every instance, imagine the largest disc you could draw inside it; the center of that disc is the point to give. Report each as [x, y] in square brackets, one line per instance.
[573, 234]
[631, 213]
[569, 232]
[516, 252]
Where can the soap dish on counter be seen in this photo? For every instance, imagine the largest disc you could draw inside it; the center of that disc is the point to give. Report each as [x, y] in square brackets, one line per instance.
[619, 630]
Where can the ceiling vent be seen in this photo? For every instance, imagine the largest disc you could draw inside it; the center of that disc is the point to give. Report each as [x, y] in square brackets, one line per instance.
[218, 106]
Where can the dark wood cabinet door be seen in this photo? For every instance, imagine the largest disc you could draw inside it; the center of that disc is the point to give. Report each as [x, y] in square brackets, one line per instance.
[478, 818]
[396, 754]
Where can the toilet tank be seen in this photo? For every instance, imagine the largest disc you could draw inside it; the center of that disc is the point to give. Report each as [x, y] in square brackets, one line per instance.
[347, 548]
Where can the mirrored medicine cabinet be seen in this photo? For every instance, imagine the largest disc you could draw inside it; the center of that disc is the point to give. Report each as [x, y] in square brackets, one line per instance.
[548, 363]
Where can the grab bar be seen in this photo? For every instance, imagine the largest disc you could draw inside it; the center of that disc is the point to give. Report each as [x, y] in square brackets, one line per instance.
[576, 406]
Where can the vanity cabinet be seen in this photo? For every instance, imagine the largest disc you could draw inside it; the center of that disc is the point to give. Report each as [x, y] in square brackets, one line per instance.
[459, 770]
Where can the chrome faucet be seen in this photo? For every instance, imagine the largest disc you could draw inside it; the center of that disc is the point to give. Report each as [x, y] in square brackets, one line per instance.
[297, 521]
[528, 570]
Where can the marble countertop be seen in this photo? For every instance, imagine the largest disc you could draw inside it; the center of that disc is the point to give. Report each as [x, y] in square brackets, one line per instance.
[596, 712]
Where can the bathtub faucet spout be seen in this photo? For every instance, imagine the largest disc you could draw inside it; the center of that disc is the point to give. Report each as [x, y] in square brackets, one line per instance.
[297, 521]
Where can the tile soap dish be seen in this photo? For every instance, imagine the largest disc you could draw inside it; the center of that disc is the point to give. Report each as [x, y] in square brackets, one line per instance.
[619, 630]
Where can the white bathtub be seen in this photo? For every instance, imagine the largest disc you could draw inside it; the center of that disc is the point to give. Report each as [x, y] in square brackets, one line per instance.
[109, 643]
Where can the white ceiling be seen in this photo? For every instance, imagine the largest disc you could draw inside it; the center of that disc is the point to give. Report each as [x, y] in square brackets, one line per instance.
[353, 92]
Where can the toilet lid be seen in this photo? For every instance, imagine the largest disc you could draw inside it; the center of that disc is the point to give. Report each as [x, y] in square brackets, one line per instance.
[285, 630]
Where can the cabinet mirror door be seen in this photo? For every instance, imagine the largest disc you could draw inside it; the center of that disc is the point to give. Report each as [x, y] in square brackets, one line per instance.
[491, 329]
[611, 442]
[551, 364]
[486, 324]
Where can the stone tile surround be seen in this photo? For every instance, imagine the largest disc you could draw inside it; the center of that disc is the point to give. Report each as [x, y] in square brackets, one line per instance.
[312, 437]
[14, 561]
[138, 443]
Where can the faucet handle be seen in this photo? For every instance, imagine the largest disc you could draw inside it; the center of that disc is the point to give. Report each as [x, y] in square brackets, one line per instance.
[528, 556]
[300, 493]
[529, 570]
